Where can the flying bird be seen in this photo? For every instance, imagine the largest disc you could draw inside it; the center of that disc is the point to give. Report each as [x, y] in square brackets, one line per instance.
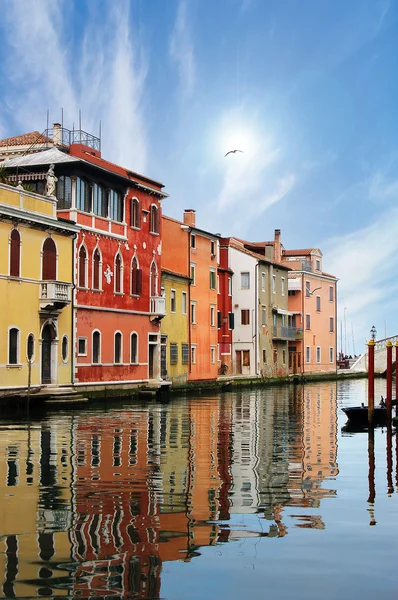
[232, 152]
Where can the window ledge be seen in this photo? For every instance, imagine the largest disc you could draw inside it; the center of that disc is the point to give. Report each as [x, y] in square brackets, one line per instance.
[154, 233]
[134, 295]
[12, 366]
[135, 227]
[118, 293]
[97, 291]
[15, 278]
[83, 289]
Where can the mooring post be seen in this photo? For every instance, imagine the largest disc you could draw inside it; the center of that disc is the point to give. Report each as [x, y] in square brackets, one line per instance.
[371, 381]
[389, 379]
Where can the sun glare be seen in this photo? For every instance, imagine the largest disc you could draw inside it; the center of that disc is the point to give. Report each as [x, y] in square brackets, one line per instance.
[239, 138]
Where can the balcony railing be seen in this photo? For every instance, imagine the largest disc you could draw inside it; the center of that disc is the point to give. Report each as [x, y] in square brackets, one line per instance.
[158, 306]
[306, 265]
[285, 332]
[55, 294]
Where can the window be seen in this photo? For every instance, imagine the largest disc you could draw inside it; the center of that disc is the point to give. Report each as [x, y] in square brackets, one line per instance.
[213, 355]
[263, 282]
[82, 346]
[83, 195]
[318, 354]
[263, 316]
[318, 304]
[13, 346]
[184, 354]
[115, 206]
[308, 321]
[30, 347]
[154, 280]
[331, 293]
[219, 319]
[213, 248]
[307, 289]
[97, 270]
[229, 286]
[118, 274]
[246, 358]
[82, 267]
[96, 347]
[172, 301]
[135, 213]
[193, 240]
[212, 279]
[193, 312]
[100, 204]
[331, 324]
[118, 347]
[275, 355]
[264, 356]
[291, 292]
[193, 273]
[193, 354]
[317, 265]
[245, 317]
[245, 281]
[65, 348]
[64, 192]
[212, 315]
[49, 262]
[307, 354]
[231, 320]
[173, 354]
[274, 284]
[134, 348]
[15, 253]
[136, 278]
[184, 303]
[154, 219]
[218, 284]
[331, 354]
[284, 357]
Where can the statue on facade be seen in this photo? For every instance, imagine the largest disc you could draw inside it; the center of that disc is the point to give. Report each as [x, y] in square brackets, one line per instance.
[51, 181]
[108, 274]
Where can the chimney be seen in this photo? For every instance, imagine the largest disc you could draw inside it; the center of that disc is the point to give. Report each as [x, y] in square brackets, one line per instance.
[57, 134]
[277, 245]
[190, 217]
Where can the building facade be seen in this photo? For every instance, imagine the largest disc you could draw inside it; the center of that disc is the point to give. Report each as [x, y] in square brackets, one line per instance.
[36, 282]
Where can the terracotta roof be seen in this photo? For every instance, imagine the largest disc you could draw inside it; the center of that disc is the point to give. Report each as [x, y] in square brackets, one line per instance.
[301, 252]
[26, 139]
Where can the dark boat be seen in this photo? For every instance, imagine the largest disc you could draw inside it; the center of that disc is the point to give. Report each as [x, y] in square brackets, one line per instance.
[358, 415]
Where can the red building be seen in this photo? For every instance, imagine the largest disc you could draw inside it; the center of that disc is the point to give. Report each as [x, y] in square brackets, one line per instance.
[117, 302]
[225, 315]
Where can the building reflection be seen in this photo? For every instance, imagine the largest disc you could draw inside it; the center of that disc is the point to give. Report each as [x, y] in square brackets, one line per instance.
[96, 503]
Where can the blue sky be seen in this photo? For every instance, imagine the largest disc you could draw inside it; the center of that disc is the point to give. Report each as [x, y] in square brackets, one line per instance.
[307, 89]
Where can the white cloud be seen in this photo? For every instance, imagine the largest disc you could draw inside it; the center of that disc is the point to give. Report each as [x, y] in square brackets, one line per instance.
[182, 51]
[103, 76]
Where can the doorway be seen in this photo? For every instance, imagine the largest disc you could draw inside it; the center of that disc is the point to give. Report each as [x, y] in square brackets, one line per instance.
[46, 346]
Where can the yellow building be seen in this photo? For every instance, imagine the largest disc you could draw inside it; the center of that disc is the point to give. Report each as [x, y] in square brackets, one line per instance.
[36, 284]
[174, 334]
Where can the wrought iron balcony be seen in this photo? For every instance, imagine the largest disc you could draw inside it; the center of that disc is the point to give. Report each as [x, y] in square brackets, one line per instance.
[54, 294]
[158, 307]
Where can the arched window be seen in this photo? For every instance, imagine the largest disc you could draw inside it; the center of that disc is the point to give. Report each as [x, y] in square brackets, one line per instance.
[118, 347]
[96, 347]
[154, 280]
[134, 348]
[13, 346]
[136, 278]
[15, 253]
[118, 274]
[96, 270]
[30, 347]
[82, 267]
[49, 262]
[154, 219]
[135, 213]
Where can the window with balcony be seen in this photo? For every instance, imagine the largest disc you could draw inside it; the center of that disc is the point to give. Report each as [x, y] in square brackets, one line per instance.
[96, 347]
[100, 201]
[135, 213]
[15, 253]
[118, 274]
[118, 348]
[97, 267]
[154, 225]
[245, 316]
[83, 195]
[318, 304]
[115, 206]
[134, 348]
[83, 267]
[245, 280]
[13, 346]
[49, 260]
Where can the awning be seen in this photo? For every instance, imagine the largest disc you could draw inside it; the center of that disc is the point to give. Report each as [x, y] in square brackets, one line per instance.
[294, 283]
[283, 311]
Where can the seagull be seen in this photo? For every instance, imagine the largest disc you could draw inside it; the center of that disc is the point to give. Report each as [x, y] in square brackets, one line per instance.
[232, 152]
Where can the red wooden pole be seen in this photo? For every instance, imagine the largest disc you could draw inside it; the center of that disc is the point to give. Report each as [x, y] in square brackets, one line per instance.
[371, 380]
[389, 379]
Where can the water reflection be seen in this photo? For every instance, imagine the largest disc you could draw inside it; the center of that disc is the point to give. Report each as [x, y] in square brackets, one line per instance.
[96, 503]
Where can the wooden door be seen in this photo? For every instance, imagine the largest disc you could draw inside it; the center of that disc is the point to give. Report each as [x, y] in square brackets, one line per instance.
[238, 362]
[46, 355]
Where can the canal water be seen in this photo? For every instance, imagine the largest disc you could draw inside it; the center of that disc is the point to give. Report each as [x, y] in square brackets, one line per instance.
[252, 494]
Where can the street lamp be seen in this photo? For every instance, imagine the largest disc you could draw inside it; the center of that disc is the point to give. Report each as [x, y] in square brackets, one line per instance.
[373, 332]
